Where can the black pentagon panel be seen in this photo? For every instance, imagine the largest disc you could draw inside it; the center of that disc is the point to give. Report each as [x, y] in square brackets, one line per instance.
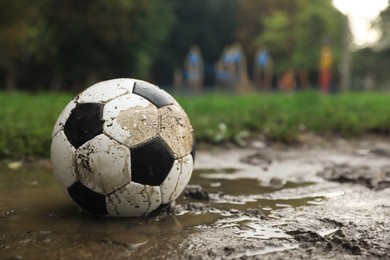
[84, 123]
[153, 93]
[151, 162]
[193, 147]
[87, 199]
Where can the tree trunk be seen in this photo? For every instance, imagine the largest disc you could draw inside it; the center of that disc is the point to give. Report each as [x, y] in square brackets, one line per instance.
[56, 82]
[346, 58]
[10, 78]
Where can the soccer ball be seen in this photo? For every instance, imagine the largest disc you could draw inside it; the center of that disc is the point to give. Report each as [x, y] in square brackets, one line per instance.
[123, 147]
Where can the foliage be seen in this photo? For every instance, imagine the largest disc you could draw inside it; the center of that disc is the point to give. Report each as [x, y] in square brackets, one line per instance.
[370, 69]
[319, 23]
[68, 42]
[249, 16]
[207, 24]
[371, 63]
[27, 120]
[294, 36]
[20, 27]
[383, 24]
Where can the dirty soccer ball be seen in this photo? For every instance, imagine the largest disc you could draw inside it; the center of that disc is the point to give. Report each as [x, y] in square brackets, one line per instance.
[123, 147]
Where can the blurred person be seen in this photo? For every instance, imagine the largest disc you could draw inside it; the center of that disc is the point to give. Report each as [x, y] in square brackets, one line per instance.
[223, 75]
[262, 69]
[194, 73]
[178, 80]
[231, 70]
[303, 79]
[240, 79]
[287, 81]
[325, 76]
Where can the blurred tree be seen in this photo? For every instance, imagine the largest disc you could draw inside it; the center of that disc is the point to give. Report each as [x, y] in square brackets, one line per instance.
[62, 44]
[277, 39]
[19, 29]
[247, 17]
[70, 42]
[152, 30]
[383, 25]
[317, 23]
[370, 67]
[294, 36]
[207, 24]
[100, 39]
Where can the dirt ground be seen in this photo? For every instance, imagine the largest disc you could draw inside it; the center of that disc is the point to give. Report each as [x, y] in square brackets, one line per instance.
[351, 221]
[320, 199]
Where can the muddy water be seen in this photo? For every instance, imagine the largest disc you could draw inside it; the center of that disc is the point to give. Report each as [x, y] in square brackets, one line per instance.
[323, 201]
[36, 217]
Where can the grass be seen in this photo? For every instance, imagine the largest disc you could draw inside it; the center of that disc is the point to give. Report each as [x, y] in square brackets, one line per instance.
[26, 120]
[283, 117]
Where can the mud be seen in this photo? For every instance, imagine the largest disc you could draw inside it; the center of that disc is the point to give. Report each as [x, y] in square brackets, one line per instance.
[321, 199]
[377, 179]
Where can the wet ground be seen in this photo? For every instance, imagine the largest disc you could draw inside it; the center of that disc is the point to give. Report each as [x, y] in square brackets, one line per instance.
[321, 199]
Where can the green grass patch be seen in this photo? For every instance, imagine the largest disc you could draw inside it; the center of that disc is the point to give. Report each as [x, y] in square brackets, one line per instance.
[282, 117]
[26, 120]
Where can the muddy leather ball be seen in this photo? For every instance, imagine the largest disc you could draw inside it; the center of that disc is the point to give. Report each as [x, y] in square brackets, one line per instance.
[123, 147]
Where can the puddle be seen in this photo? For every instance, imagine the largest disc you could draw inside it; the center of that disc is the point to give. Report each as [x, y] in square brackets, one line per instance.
[35, 215]
[266, 205]
[231, 181]
[228, 190]
[252, 228]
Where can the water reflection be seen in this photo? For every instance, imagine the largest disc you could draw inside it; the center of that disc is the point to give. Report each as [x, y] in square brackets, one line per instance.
[32, 205]
[33, 199]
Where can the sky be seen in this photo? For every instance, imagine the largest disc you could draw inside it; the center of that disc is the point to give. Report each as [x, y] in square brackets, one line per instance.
[361, 13]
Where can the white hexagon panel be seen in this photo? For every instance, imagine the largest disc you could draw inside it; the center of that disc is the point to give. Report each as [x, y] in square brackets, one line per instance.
[106, 90]
[177, 179]
[176, 130]
[63, 153]
[103, 165]
[130, 119]
[133, 200]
